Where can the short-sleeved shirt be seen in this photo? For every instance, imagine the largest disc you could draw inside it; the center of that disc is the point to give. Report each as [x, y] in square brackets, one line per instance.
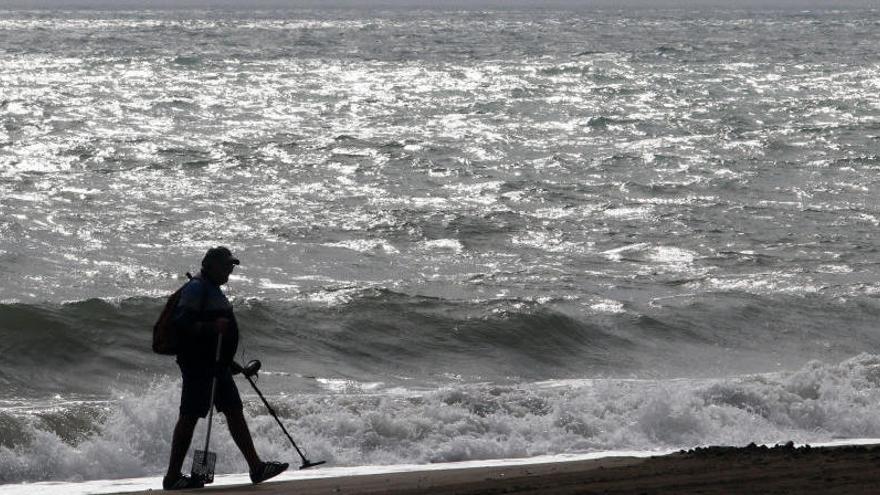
[203, 301]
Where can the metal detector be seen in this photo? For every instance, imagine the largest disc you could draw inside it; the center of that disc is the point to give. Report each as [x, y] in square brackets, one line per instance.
[249, 371]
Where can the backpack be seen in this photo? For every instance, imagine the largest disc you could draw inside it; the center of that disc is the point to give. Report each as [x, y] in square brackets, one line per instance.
[165, 339]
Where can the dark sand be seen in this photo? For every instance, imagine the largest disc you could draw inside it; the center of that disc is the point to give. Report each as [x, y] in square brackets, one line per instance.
[714, 470]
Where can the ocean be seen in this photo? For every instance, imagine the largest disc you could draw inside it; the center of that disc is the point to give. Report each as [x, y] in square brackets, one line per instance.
[464, 234]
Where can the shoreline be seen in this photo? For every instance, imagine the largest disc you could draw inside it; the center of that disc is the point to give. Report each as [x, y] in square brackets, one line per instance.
[835, 467]
[850, 469]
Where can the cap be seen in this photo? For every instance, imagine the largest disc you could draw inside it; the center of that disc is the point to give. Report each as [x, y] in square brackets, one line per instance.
[220, 254]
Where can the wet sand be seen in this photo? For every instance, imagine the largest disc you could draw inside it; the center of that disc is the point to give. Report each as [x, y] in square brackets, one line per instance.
[713, 470]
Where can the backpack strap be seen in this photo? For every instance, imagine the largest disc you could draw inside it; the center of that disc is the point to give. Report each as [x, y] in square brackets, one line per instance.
[204, 299]
[204, 294]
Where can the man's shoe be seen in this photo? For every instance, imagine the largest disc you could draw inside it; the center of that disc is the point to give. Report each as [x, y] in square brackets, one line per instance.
[268, 470]
[180, 482]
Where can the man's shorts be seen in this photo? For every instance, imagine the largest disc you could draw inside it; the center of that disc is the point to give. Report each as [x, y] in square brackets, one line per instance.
[195, 397]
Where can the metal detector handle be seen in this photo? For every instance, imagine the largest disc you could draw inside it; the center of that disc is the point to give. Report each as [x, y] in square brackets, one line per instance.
[213, 390]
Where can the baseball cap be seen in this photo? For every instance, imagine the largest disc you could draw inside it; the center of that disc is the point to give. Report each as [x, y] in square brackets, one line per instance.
[220, 254]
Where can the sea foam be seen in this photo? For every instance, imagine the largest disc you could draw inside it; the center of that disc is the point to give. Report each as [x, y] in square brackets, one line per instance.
[371, 426]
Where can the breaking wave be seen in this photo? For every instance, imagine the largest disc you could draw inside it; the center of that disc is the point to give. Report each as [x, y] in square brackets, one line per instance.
[129, 436]
[379, 335]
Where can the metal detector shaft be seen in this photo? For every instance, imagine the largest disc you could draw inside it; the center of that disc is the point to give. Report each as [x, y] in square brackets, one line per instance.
[306, 463]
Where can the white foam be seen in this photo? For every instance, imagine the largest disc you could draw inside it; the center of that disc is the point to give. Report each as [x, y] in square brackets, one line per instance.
[608, 306]
[630, 212]
[453, 245]
[552, 242]
[342, 385]
[367, 425]
[667, 255]
[671, 255]
[365, 245]
[616, 254]
[834, 269]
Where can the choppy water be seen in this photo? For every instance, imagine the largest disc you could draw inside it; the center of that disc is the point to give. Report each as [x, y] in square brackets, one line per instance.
[444, 218]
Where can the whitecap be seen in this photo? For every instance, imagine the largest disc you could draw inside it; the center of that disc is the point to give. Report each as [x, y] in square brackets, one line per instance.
[453, 245]
[365, 245]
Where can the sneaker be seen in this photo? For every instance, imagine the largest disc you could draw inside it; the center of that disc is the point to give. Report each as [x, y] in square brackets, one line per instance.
[268, 470]
[181, 482]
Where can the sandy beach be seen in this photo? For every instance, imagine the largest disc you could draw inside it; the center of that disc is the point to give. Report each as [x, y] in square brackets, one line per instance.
[713, 470]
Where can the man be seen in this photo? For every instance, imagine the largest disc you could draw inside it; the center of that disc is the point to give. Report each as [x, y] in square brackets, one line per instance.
[203, 313]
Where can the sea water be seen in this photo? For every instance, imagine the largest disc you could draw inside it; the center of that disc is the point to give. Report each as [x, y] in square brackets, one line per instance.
[465, 235]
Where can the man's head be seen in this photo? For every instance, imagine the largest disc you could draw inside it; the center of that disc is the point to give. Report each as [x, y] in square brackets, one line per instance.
[218, 263]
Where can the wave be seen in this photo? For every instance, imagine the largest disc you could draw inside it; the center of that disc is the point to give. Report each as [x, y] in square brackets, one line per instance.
[819, 402]
[381, 335]
[80, 346]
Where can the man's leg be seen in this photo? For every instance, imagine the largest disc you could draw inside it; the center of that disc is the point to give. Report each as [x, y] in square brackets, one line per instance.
[238, 428]
[183, 433]
[229, 403]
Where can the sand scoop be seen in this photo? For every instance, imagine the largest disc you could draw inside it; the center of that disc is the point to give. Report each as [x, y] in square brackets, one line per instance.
[205, 460]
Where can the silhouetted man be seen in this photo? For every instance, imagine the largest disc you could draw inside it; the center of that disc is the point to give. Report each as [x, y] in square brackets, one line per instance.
[203, 313]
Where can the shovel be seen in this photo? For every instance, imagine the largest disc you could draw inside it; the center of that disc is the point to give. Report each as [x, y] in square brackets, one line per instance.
[204, 460]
